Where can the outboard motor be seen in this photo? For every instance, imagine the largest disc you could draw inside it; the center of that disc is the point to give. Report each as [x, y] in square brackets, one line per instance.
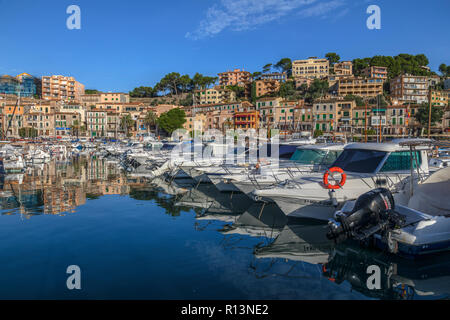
[372, 212]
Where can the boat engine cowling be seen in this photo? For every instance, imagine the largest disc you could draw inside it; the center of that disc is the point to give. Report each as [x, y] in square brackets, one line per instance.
[372, 211]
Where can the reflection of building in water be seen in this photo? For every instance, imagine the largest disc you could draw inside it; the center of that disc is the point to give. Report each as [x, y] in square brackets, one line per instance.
[114, 185]
[62, 199]
[100, 169]
[56, 188]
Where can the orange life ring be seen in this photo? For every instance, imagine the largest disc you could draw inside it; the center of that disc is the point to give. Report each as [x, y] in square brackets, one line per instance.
[340, 183]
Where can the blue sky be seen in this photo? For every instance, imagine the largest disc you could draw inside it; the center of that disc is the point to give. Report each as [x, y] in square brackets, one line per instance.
[125, 44]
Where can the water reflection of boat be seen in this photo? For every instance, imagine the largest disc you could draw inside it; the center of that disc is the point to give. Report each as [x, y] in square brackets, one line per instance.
[299, 241]
[399, 278]
[206, 196]
[260, 219]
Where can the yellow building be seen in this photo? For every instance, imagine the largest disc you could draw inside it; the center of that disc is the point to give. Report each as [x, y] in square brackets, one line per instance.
[440, 98]
[358, 86]
[117, 97]
[218, 94]
[196, 123]
[333, 115]
[344, 68]
[311, 68]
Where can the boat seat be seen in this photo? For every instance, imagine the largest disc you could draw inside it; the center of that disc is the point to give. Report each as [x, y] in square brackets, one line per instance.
[432, 195]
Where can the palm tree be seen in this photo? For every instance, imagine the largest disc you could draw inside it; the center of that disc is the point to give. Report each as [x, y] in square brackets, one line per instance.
[151, 120]
[126, 122]
[75, 127]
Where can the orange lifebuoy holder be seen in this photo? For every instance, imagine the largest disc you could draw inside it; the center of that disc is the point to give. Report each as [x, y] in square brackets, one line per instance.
[340, 184]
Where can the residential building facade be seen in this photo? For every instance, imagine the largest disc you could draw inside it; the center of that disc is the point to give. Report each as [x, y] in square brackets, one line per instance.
[359, 86]
[409, 89]
[235, 77]
[57, 87]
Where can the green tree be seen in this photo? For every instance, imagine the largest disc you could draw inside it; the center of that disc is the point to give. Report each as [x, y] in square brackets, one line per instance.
[126, 122]
[171, 120]
[422, 115]
[238, 90]
[317, 89]
[187, 101]
[150, 120]
[287, 89]
[28, 132]
[332, 57]
[91, 91]
[379, 100]
[170, 82]
[143, 92]
[284, 65]
[318, 133]
[75, 128]
[255, 75]
[267, 68]
[358, 99]
[444, 70]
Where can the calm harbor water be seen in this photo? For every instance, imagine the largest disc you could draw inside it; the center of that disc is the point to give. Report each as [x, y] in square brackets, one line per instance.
[138, 239]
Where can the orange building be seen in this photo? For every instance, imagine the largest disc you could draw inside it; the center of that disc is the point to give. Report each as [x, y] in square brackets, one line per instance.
[235, 77]
[267, 86]
[58, 87]
[246, 120]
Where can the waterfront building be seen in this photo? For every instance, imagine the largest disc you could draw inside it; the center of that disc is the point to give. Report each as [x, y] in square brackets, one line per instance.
[197, 123]
[303, 117]
[311, 68]
[266, 87]
[24, 83]
[343, 68]
[235, 77]
[439, 98]
[218, 94]
[96, 122]
[115, 97]
[279, 76]
[275, 114]
[359, 86]
[407, 88]
[67, 123]
[89, 100]
[333, 115]
[113, 129]
[376, 72]
[246, 120]
[58, 87]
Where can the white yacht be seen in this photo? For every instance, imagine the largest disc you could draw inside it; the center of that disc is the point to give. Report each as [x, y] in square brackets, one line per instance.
[306, 159]
[366, 166]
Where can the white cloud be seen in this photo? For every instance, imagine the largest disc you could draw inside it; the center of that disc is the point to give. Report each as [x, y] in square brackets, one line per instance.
[321, 9]
[239, 15]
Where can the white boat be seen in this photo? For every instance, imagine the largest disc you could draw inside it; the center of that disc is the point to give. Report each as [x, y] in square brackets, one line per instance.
[305, 160]
[422, 227]
[13, 163]
[366, 166]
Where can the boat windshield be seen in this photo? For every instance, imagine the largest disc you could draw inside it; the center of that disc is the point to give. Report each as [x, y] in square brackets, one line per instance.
[361, 161]
[308, 156]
